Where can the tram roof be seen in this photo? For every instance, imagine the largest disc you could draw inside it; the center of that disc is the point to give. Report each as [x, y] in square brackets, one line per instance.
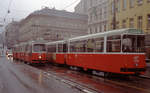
[55, 42]
[109, 33]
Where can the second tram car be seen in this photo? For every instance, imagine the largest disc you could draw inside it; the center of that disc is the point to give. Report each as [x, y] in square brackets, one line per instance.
[56, 51]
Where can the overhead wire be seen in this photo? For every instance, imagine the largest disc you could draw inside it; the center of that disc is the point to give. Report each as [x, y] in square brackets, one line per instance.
[8, 10]
[70, 4]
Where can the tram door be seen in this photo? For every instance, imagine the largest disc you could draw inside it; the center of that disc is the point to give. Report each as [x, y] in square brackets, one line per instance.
[65, 48]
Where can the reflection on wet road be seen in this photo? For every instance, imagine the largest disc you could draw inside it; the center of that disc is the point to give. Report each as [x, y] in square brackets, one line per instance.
[113, 85]
[17, 77]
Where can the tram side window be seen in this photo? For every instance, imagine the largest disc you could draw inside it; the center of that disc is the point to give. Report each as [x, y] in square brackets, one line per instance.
[60, 47]
[26, 48]
[65, 48]
[80, 46]
[99, 44]
[90, 45]
[51, 48]
[72, 47]
[30, 48]
[141, 43]
[114, 43]
[83, 46]
[133, 43]
[39, 48]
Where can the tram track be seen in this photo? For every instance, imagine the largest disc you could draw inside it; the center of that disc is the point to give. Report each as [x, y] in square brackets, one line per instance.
[58, 74]
[144, 77]
[118, 83]
[72, 83]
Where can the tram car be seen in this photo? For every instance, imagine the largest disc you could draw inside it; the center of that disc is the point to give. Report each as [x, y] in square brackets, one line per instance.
[56, 51]
[118, 51]
[31, 52]
[16, 52]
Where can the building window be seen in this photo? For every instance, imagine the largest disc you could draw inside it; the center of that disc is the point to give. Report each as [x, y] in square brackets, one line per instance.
[139, 2]
[131, 23]
[139, 22]
[124, 24]
[90, 30]
[95, 29]
[124, 4]
[112, 8]
[105, 26]
[117, 25]
[148, 21]
[118, 6]
[100, 28]
[131, 3]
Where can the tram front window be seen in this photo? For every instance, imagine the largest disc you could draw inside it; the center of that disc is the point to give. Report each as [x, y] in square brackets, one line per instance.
[39, 48]
[133, 43]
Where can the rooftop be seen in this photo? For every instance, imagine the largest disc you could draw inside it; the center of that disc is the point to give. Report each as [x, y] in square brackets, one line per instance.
[60, 13]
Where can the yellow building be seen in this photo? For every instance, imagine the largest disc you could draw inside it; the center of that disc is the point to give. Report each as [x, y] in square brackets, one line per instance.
[130, 14]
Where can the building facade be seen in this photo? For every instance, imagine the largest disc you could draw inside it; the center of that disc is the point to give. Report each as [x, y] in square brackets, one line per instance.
[83, 6]
[130, 14]
[97, 11]
[98, 16]
[12, 34]
[51, 25]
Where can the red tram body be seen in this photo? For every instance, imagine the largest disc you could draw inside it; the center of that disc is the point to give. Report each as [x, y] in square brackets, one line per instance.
[119, 51]
[56, 52]
[114, 63]
[31, 52]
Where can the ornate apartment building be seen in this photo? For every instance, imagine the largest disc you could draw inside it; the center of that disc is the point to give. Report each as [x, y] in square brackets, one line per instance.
[97, 11]
[98, 16]
[130, 14]
[83, 6]
[12, 34]
[51, 25]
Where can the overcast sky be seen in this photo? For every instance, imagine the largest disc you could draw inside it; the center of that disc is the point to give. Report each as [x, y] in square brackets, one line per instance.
[21, 8]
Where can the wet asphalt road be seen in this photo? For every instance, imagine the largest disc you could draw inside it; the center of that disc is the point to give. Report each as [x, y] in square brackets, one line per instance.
[108, 85]
[20, 78]
[17, 77]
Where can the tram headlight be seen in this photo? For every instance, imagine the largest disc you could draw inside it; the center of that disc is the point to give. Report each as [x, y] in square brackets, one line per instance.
[40, 57]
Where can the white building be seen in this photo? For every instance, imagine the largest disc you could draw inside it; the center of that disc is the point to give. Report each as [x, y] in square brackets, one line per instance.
[52, 25]
[97, 11]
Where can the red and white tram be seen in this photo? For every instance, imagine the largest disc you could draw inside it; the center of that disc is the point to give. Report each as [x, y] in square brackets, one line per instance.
[118, 51]
[31, 52]
[15, 52]
[56, 51]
